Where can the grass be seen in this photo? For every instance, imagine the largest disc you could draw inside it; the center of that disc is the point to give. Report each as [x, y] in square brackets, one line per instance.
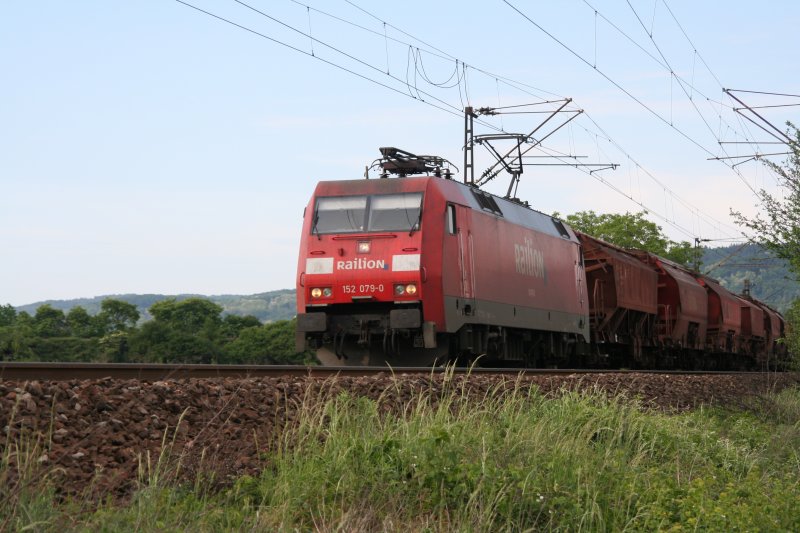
[513, 462]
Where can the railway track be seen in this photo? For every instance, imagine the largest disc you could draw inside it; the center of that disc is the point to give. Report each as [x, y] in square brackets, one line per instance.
[155, 372]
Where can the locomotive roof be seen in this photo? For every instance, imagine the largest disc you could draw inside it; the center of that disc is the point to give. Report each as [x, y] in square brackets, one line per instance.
[520, 214]
[477, 199]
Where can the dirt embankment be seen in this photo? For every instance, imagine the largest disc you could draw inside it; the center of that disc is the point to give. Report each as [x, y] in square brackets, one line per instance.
[95, 436]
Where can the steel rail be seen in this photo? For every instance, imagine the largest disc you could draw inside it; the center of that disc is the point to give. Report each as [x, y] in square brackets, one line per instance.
[22, 371]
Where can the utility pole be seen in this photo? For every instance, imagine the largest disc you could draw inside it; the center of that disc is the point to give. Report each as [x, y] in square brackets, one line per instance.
[469, 158]
[697, 254]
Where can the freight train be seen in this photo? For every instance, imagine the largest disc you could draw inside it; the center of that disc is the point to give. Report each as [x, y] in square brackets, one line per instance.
[421, 269]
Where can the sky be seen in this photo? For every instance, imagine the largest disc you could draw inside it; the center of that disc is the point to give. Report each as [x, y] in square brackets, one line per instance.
[150, 147]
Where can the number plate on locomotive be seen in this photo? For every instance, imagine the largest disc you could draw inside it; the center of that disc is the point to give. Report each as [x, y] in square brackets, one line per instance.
[363, 288]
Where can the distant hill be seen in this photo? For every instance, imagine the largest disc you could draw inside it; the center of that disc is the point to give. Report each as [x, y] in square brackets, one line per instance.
[770, 278]
[771, 282]
[266, 306]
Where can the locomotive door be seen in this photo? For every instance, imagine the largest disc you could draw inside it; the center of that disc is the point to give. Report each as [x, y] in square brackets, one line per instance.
[466, 258]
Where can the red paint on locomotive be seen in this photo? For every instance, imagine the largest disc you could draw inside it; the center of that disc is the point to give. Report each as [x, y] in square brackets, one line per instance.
[486, 273]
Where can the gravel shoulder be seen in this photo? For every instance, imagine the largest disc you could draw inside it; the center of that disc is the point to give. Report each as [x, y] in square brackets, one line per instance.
[96, 435]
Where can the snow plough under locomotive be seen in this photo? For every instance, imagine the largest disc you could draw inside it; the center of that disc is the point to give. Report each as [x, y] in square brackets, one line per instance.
[422, 269]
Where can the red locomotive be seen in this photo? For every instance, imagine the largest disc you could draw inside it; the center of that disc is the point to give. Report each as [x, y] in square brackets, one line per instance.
[425, 269]
[422, 270]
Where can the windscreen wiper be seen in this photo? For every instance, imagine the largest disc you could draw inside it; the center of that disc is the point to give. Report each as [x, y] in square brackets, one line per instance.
[314, 225]
[416, 224]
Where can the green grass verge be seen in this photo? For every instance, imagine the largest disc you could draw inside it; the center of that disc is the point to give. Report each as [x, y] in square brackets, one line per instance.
[579, 462]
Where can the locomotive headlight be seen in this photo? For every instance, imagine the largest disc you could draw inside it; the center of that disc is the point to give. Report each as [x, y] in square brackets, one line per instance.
[399, 290]
[363, 247]
[316, 292]
[327, 292]
[411, 289]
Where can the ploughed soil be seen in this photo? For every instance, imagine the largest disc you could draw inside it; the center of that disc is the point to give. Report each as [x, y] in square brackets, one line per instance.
[98, 438]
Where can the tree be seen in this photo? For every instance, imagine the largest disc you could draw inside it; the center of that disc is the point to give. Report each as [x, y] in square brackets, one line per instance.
[114, 347]
[81, 323]
[232, 325]
[777, 227]
[632, 231]
[16, 340]
[50, 322]
[117, 316]
[149, 343]
[190, 316]
[187, 331]
[270, 343]
[7, 315]
[793, 333]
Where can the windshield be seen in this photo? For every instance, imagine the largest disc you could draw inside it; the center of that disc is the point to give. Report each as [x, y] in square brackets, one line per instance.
[354, 214]
[395, 212]
[341, 214]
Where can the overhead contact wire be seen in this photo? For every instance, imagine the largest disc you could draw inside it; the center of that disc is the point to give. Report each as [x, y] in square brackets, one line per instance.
[628, 93]
[294, 48]
[694, 104]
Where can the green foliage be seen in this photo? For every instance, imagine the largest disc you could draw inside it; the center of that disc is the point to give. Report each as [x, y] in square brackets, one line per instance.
[71, 349]
[777, 227]
[50, 322]
[189, 316]
[15, 342]
[266, 306]
[233, 325]
[274, 343]
[632, 231]
[117, 316]
[24, 319]
[186, 331]
[528, 463]
[114, 347]
[7, 315]
[769, 276]
[81, 323]
[149, 343]
[793, 333]
[16, 339]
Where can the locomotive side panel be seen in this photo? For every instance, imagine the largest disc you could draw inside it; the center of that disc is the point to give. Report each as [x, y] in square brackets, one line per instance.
[503, 264]
[439, 245]
[525, 278]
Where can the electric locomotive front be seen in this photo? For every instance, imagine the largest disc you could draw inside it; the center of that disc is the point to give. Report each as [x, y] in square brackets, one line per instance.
[360, 281]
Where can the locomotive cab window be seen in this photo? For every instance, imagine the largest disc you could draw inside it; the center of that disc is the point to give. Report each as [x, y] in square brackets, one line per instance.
[361, 214]
[395, 212]
[342, 214]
